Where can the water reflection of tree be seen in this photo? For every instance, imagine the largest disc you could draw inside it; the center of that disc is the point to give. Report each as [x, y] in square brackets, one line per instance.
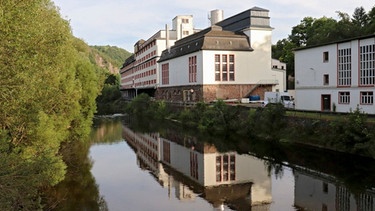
[107, 130]
[79, 190]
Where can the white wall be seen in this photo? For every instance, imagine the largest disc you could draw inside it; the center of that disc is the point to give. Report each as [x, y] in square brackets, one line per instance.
[309, 76]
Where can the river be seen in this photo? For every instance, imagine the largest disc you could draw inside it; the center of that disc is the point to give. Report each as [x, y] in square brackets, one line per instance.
[171, 169]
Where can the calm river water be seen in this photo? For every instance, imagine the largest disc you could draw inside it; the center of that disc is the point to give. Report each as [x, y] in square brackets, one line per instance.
[171, 169]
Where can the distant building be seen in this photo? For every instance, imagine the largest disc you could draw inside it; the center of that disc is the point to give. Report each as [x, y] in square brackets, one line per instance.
[338, 76]
[139, 72]
[229, 60]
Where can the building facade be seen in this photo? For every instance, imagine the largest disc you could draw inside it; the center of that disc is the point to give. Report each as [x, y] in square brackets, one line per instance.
[229, 60]
[336, 77]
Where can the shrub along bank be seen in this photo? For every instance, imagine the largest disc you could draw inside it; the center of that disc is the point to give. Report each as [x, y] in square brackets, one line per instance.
[350, 133]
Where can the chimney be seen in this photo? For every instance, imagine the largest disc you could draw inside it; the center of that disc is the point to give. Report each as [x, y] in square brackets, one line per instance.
[216, 16]
[166, 36]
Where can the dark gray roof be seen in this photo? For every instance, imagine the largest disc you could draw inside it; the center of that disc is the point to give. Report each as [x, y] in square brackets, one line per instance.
[213, 38]
[244, 20]
[336, 42]
[128, 61]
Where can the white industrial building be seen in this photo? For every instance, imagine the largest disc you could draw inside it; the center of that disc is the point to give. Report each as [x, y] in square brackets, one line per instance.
[231, 59]
[338, 76]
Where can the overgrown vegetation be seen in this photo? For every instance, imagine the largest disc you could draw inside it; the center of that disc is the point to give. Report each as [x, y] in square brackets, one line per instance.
[110, 100]
[48, 88]
[349, 133]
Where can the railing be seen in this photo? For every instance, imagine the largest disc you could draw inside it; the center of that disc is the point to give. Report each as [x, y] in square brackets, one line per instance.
[262, 82]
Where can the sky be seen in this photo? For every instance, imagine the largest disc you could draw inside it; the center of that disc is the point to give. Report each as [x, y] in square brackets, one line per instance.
[122, 23]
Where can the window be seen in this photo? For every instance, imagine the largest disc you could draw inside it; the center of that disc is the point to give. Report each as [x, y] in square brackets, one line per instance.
[324, 207]
[344, 97]
[344, 67]
[185, 32]
[325, 187]
[193, 69]
[217, 67]
[231, 67]
[325, 79]
[224, 67]
[185, 20]
[165, 73]
[367, 98]
[225, 168]
[367, 65]
[325, 56]
[218, 168]
[166, 152]
[194, 165]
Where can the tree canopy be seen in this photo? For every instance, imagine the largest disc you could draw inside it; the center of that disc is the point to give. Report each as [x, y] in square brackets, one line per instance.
[47, 97]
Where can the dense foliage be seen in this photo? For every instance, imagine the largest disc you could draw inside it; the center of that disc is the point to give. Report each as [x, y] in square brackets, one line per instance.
[110, 100]
[48, 88]
[313, 31]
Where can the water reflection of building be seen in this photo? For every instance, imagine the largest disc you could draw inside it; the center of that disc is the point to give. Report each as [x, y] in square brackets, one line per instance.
[193, 168]
[317, 191]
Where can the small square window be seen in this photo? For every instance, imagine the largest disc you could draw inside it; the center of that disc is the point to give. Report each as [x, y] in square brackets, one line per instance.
[325, 56]
[325, 187]
[325, 79]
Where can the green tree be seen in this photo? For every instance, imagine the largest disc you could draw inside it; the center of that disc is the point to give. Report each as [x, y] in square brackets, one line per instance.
[47, 91]
[370, 28]
[360, 18]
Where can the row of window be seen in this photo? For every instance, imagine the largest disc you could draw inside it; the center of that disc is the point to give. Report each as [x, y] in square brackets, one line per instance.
[145, 48]
[344, 68]
[145, 83]
[145, 65]
[148, 56]
[145, 74]
[366, 98]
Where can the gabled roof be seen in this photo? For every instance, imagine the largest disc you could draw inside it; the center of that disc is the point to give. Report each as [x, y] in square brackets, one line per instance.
[213, 38]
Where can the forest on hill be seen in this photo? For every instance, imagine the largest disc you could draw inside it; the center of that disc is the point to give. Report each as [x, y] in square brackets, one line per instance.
[111, 54]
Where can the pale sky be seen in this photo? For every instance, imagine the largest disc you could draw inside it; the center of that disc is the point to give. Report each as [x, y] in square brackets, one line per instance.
[122, 23]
